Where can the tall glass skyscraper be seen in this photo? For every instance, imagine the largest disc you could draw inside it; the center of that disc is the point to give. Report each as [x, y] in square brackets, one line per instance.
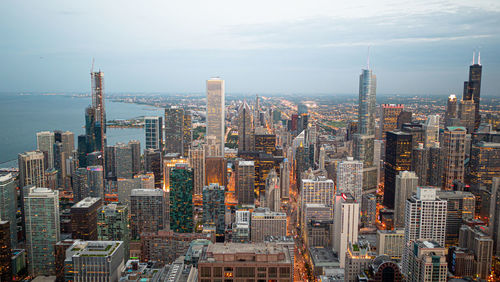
[8, 204]
[364, 139]
[153, 127]
[216, 114]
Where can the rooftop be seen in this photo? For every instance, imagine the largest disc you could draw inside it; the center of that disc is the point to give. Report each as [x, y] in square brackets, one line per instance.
[86, 203]
[147, 192]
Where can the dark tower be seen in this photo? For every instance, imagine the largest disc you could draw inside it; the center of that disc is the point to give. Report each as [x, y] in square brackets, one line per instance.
[472, 88]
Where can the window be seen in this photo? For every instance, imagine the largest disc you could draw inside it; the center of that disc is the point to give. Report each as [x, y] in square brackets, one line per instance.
[217, 271]
[272, 272]
[206, 272]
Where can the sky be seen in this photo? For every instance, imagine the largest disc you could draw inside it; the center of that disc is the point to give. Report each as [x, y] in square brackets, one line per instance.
[258, 47]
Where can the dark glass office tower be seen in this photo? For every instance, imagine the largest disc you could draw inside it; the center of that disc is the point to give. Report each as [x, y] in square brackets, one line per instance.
[472, 88]
[397, 158]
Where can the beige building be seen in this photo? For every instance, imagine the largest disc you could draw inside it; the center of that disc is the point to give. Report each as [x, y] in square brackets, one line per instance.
[453, 155]
[216, 113]
[266, 223]
[426, 262]
[391, 243]
[244, 262]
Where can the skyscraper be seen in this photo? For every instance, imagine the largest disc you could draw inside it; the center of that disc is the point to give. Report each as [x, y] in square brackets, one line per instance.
[245, 182]
[112, 225]
[460, 208]
[451, 114]
[346, 225]
[426, 261]
[273, 197]
[8, 204]
[245, 128]
[453, 155]
[484, 164]
[472, 87]
[5, 251]
[389, 118]
[181, 199]
[135, 146]
[425, 216]
[467, 114]
[350, 178]
[31, 169]
[216, 113]
[318, 190]
[197, 162]
[42, 229]
[45, 143]
[95, 183]
[406, 185]
[84, 218]
[431, 130]
[187, 133]
[397, 158]
[123, 160]
[420, 163]
[285, 179]
[97, 79]
[153, 127]
[364, 139]
[214, 209]
[174, 122]
[153, 163]
[147, 211]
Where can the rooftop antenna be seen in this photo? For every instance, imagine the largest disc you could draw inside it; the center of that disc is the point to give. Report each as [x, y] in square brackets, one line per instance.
[473, 57]
[92, 68]
[479, 58]
[368, 58]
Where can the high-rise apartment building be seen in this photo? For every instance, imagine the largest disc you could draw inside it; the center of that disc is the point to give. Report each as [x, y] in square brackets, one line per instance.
[135, 147]
[425, 216]
[345, 225]
[484, 164]
[466, 114]
[197, 162]
[8, 205]
[214, 209]
[31, 169]
[84, 218]
[181, 199]
[153, 128]
[267, 223]
[426, 262]
[481, 244]
[112, 225]
[245, 182]
[153, 163]
[431, 128]
[80, 184]
[123, 161]
[41, 213]
[460, 207]
[420, 163]
[397, 158]
[406, 185]
[389, 118]
[494, 216]
[45, 143]
[174, 122]
[453, 156]
[369, 210]
[216, 113]
[350, 178]
[435, 172]
[318, 190]
[358, 258]
[245, 128]
[95, 182]
[147, 211]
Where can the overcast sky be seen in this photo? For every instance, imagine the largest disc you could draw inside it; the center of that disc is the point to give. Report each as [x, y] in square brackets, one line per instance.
[259, 46]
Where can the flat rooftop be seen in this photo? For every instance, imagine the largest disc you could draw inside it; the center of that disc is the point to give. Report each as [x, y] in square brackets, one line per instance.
[86, 203]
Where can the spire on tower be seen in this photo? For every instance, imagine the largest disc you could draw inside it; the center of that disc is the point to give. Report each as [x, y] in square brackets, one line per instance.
[368, 58]
[479, 58]
[473, 57]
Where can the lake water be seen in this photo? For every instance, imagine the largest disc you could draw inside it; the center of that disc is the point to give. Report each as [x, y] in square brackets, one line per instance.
[22, 116]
